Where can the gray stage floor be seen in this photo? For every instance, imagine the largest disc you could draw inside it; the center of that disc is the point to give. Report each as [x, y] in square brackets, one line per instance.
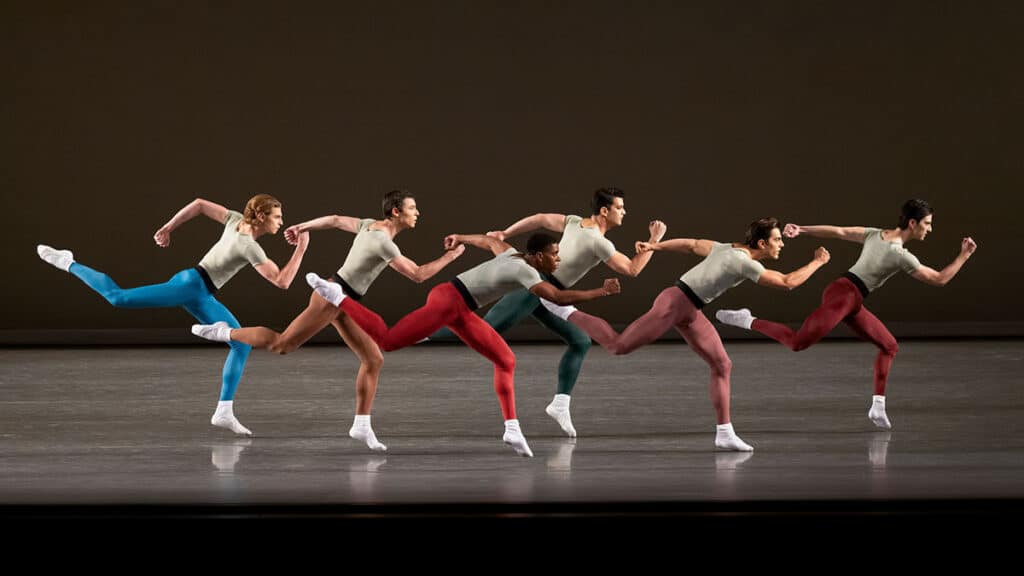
[130, 426]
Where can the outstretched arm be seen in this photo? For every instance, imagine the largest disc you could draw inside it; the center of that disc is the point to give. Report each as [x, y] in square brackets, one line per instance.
[406, 267]
[849, 233]
[346, 223]
[632, 267]
[776, 279]
[282, 278]
[194, 208]
[936, 278]
[695, 246]
[553, 222]
[548, 292]
[479, 240]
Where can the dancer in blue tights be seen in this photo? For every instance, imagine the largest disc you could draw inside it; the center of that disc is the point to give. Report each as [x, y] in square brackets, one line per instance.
[194, 289]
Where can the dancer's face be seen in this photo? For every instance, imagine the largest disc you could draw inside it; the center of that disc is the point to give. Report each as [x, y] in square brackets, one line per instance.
[616, 212]
[775, 244]
[408, 216]
[920, 229]
[547, 260]
[273, 221]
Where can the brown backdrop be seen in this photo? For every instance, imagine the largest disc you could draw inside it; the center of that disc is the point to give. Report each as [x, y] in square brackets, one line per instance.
[709, 115]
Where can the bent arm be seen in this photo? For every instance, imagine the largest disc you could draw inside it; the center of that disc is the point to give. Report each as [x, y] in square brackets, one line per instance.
[937, 278]
[549, 292]
[282, 277]
[627, 266]
[211, 210]
[406, 267]
[775, 279]
[632, 267]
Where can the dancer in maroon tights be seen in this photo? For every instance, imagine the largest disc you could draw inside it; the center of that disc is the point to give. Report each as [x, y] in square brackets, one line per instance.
[451, 304]
[882, 257]
[724, 266]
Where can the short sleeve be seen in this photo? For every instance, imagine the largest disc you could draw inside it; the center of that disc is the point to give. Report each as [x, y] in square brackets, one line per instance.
[752, 270]
[909, 262]
[604, 249]
[364, 224]
[388, 250]
[254, 253]
[232, 217]
[528, 277]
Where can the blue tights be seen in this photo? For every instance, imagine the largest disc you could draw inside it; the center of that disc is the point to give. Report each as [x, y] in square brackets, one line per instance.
[186, 289]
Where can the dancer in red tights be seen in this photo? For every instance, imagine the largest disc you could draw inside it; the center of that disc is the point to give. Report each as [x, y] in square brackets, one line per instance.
[883, 256]
[452, 304]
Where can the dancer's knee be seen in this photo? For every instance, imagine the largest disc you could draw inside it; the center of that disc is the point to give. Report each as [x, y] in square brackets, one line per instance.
[374, 362]
[506, 363]
[579, 343]
[239, 347]
[116, 298]
[722, 367]
[890, 348]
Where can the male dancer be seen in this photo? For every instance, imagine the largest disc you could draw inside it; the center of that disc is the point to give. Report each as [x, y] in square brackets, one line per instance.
[451, 304]
[724, 266]
[372, 250]
[194, 289]
[882, 256]
[582, 247]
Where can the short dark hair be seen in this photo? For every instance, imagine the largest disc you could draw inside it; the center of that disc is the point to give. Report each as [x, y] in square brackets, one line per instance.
[539, 241]
[760, 229]
[394, 199]
[913, 210]
[605, 197]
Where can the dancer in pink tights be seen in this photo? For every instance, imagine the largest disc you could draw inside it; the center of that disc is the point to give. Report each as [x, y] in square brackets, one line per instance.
[679, 307]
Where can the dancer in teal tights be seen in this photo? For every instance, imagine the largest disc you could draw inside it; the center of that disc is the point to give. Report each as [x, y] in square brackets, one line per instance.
[582, 247]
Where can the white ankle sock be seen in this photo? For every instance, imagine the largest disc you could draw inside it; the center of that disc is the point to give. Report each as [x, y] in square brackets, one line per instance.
[877, 412]
[514, 438]
[225, 418]
[741, 318]
[61, 259]
[559, 410]
[726, 439]
[217, 332]
[327, 290]
[361, 430]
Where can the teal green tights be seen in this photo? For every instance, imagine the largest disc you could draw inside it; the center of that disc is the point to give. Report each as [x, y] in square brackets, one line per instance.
[517, 305]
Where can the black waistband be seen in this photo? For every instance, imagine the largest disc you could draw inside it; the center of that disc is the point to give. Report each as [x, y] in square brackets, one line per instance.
[470, 301]
[554, 281]
[690, 294]
[206, 279]
[348, 290]
[858, 283]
